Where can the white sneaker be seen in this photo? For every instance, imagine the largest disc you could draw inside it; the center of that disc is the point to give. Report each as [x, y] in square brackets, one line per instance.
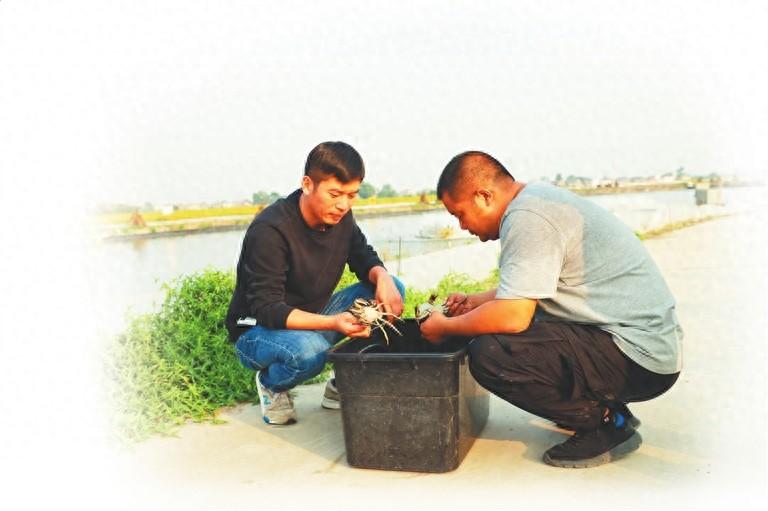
[276, 407]
[331, 396]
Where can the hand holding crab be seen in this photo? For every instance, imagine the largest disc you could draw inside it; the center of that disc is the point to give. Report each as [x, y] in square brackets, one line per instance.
[430, 318]
[458, 303]
[434, 326]
[349, 325]
[425, 309]
[373, 315]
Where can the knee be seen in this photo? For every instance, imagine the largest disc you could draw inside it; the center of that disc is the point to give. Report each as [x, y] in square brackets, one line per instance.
[243, 350]
[311, 358]
[483, 355]
[309, 366]
[482, 346]
[492, 355]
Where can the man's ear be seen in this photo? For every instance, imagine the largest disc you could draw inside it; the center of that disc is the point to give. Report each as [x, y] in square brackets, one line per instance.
[484, 198]
[307, 185]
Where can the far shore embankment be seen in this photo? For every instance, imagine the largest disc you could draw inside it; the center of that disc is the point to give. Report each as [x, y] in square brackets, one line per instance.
[163, 228]
[124, 227]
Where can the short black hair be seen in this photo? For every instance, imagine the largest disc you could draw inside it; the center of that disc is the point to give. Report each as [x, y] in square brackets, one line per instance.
[337, 159]
[454, 174]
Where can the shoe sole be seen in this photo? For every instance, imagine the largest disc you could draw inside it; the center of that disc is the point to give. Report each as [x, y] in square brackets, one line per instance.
[629, 445]
[330, 404]
[286, 423]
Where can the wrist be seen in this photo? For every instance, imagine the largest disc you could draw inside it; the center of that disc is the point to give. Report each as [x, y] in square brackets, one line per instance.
[302, 320]
[448, 326]
[375, 273]
[326, 322]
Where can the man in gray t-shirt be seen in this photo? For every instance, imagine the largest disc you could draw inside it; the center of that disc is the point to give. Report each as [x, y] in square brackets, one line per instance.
[582, 321]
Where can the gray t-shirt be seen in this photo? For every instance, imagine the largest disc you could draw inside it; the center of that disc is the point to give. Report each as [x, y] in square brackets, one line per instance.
[585, 266]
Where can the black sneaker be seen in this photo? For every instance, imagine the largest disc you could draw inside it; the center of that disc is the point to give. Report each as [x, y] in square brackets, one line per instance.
[614, 439]
[631, 419]
[621, 408]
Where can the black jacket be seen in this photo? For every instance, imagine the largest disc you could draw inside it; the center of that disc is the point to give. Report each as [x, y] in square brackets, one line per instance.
[284, 264]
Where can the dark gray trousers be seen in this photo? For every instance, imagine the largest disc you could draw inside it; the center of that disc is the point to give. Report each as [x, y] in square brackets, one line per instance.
[564, 372]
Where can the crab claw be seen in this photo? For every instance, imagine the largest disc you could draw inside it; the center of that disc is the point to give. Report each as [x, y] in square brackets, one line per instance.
[424, 310]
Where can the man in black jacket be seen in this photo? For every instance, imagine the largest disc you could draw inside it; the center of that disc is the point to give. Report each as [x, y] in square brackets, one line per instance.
[283, 316]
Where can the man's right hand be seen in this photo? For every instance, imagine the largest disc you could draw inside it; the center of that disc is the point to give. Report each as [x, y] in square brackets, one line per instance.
[347, 324]
[459, 303]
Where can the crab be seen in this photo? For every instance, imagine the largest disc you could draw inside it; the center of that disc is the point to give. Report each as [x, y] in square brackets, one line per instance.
[370, 313]
[425, 309]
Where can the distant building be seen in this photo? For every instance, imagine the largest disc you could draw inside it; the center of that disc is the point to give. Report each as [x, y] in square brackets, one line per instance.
[605, 183]
[668, 177]
[235, 204]
[578, 182]
[167, 209]
[194, 205]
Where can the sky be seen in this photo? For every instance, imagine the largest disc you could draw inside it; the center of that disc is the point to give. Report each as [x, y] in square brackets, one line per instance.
[182, 101]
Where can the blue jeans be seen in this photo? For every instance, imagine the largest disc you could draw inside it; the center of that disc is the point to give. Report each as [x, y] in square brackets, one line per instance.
[288, 357]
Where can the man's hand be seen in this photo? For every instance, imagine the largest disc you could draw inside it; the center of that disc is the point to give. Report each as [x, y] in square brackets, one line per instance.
[386, 292]
[459, 303]
[434, 327]
[346, 323]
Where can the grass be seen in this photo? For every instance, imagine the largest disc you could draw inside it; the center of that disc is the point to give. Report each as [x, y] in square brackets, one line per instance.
[393, 200]
[182, 214]
[176, 365]
[193, 214]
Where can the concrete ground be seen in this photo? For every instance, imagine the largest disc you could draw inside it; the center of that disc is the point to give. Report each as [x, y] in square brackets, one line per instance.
[704, 441]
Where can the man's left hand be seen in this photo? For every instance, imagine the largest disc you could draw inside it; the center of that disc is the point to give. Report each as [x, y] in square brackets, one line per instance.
[388, 295]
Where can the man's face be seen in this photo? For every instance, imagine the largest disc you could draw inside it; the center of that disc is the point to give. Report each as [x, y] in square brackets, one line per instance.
[329, 200]
[474, 212]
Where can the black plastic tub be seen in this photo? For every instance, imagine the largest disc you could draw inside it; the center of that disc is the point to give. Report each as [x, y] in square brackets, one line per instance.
[409, 404]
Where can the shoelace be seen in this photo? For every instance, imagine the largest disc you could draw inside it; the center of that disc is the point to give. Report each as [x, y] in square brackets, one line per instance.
[579, 438]
[281, 399]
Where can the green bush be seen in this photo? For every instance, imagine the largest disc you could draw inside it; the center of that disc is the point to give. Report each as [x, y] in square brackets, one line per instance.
[176, 364]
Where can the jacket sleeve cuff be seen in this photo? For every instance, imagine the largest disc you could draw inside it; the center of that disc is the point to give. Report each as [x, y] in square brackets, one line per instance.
[362, 274]
[274, 316]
